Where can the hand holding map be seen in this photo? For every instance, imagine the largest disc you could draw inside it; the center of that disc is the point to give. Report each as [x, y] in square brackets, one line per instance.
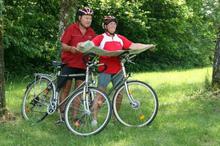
[89, 47]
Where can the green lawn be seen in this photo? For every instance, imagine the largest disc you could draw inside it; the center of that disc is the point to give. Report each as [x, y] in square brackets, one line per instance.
[188, 115]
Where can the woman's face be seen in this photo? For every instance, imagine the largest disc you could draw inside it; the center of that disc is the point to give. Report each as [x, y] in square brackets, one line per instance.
[111, 27]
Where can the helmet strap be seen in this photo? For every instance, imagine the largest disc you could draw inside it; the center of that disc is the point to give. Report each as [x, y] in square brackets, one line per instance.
[109, 32]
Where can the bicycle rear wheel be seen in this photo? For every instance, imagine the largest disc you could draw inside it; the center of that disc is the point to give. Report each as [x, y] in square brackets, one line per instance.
[139, 111]
[79, 118]
[37, 98]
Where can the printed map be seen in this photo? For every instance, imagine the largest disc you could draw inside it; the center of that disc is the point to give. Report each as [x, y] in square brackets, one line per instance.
[88, 47]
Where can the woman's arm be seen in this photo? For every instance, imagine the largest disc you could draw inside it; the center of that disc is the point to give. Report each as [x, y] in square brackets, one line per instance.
[135, 46]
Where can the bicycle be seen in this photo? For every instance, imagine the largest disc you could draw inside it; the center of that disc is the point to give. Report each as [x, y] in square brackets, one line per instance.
[41, 99]
[138, 106]
[135, 103]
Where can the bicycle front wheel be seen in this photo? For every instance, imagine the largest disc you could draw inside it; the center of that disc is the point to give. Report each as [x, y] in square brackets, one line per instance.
[79, 112]
[36, 99]
[135, 106]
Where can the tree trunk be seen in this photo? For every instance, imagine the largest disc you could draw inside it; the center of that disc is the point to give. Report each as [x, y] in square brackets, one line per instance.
[67, 10]
[2, 65]
[216, 64]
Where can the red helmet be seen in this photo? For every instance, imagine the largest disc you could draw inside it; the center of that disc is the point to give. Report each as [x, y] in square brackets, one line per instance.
[108, 19]
[85, 11]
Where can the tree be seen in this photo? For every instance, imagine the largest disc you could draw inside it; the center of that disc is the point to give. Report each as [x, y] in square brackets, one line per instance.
[66, 7]
[5, 115]
[2, 83]
[216, 64]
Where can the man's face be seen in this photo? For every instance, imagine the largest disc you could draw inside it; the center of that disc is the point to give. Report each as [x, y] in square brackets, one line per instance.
[111, 27]
[85, 20]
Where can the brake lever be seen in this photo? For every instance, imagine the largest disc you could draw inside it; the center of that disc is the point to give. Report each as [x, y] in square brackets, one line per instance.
[129, 61]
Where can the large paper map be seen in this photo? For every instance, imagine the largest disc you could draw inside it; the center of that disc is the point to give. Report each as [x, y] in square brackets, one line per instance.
[88, 47]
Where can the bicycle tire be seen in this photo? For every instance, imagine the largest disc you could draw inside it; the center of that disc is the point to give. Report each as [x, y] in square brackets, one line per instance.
[37, 98]
[85, 117]
[144, 108]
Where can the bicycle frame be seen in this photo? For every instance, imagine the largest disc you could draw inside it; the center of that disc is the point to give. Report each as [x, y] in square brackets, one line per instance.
[54, 101]
[123, 80]
[84, 85]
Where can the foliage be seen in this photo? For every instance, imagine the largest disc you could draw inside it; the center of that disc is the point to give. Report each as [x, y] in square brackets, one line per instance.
[183, 34]
[30, 33]
[184, 31]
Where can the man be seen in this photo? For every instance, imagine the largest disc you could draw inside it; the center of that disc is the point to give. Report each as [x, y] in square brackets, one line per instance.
[77, 32]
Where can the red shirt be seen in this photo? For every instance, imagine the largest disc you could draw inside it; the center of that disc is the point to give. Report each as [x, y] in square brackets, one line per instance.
[72, 36]
[106, 42]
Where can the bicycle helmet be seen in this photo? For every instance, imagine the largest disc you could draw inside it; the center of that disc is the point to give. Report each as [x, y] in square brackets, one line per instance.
[85, 11]
[108, 19]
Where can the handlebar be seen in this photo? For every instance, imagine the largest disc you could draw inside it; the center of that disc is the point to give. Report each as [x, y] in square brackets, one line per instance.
[127, 57]
[91, 60]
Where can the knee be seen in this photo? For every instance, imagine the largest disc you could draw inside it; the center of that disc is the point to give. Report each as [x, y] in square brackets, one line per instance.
[103, 89]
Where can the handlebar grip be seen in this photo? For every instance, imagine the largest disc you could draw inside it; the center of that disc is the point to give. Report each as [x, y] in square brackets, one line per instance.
[104, 68]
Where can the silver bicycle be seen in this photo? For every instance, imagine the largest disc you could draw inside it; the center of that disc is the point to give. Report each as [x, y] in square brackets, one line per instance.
[135, 103]
[41, 99]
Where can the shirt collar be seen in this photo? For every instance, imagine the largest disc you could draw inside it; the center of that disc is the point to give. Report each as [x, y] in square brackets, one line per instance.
[108, 34]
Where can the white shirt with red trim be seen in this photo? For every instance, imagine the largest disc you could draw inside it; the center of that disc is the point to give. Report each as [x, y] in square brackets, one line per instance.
[111, 43]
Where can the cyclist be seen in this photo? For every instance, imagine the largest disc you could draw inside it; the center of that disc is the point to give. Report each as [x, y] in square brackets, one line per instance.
[111, 41]
[79, 31]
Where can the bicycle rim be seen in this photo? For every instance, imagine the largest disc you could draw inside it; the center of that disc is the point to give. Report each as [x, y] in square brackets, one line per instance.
[36, 99]
[74, 113]
[139, 112]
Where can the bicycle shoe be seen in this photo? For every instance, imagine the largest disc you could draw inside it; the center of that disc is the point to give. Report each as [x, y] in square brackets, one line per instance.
[94, 123]
[77, 122]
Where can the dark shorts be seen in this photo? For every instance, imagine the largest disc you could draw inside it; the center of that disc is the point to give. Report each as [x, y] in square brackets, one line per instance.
[61, 81]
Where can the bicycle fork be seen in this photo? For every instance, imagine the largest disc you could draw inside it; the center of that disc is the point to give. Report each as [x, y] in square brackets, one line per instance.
[86, 94]
[134, 103]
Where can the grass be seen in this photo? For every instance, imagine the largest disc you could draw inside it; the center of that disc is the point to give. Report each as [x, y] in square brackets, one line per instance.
[188, 115]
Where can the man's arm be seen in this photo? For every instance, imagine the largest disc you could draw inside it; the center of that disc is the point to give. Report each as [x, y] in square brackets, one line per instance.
[67, 48]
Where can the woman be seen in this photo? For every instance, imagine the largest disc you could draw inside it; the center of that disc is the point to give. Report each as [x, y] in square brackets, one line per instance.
[111, 41]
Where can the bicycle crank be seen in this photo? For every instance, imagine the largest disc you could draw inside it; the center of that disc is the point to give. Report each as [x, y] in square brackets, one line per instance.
[52, 107]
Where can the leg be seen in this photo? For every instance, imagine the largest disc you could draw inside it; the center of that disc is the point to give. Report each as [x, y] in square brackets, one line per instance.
[118, 101]
[63, 94]
[98, 101]
[103, 81]
[76, 103]
[116, 79]
[64, 85]
[84, 125]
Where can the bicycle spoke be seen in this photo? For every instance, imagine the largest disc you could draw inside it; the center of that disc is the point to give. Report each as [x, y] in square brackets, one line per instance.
[37, 99]
[79, 118]
[137, 108]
